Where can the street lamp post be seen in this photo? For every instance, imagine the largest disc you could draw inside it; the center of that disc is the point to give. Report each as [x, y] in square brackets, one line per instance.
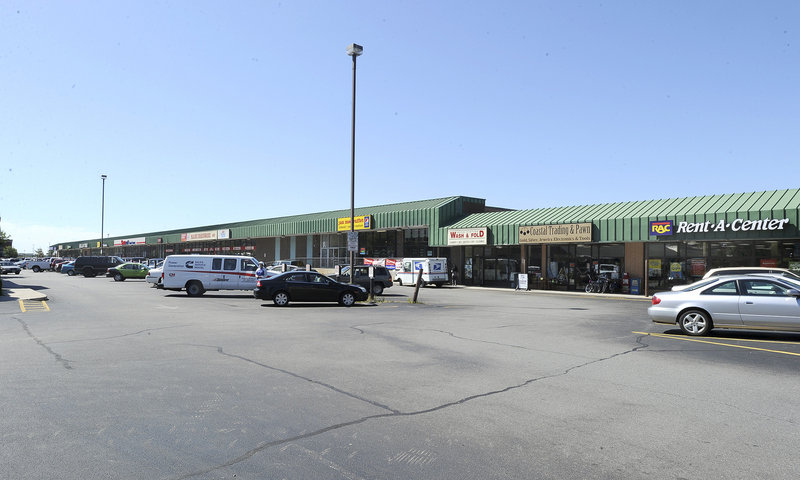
[354, 50]
[102, 212]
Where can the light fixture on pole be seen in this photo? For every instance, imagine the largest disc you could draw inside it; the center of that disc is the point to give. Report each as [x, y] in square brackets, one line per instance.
[354, 50]
[102, 212]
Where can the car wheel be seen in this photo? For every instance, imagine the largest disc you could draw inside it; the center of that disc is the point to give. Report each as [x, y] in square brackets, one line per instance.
[194, 289]
[399, 282]
[347, 299]
[71, 273]
[118, 277]
[88, 272]
[36, 269]
[377, 289]
[281, 299]
[695, 323]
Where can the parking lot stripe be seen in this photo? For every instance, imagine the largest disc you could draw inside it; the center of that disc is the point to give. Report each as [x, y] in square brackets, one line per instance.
[688, 339]
[33, 306]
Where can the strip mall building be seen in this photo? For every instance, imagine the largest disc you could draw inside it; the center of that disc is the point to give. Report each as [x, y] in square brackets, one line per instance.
[657, 243]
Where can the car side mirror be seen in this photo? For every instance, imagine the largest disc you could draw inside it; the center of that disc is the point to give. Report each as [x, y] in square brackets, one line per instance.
[793, 293]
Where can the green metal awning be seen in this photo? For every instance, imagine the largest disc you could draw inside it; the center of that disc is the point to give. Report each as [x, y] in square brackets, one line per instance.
[630, 221]
[432, 214]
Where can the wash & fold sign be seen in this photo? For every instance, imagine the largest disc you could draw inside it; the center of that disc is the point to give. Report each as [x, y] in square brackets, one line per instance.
[667, 227]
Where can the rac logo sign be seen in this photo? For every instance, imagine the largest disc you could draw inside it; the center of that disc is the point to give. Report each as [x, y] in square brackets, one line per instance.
[661, 228]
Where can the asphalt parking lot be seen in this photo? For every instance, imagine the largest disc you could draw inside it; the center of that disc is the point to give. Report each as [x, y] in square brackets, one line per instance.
[118, 380]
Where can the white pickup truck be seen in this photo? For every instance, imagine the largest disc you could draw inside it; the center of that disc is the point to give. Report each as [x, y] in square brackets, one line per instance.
[37, 265]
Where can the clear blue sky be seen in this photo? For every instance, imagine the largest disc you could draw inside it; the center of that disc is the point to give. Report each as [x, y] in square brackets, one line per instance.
[211, 112]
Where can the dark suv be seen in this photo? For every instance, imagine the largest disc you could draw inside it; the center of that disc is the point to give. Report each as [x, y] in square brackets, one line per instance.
[381, 280]
[91, 266]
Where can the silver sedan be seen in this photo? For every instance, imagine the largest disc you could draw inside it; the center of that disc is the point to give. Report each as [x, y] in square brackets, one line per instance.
[738, 301]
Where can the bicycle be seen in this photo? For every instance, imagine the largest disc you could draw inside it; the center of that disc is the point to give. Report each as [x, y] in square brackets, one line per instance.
[593, 285]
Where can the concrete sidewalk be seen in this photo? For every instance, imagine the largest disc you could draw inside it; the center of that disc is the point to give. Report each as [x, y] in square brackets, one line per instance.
[22, 294]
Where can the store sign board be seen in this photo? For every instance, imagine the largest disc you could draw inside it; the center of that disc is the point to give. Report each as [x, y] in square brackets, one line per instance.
[661, 228]
[467, 236]
[224, 234]
[737, 225]
[362, 222]
[565, 233]
[130, 241]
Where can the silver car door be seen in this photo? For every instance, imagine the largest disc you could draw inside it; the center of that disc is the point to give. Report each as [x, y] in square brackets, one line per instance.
[765, 303]
[721, 301]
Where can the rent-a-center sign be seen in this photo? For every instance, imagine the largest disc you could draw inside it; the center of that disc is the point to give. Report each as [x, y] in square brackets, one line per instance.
[467, 236]
[666, 227]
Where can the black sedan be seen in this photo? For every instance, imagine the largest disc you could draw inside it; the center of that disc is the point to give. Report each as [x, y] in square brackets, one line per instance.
[302, 286]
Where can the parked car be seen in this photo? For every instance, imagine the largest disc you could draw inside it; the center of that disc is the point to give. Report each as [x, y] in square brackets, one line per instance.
[714, 272]
[68, 268]
[128, 270]
[609, 270]
[36, 264]
[382, 278]
[154, 262]
[302, 286]
[754, 302]
[59, 264]
[55, 261]
[281, 268]
[91, 266]
[154, 274]
[9, 267]
[200, 273]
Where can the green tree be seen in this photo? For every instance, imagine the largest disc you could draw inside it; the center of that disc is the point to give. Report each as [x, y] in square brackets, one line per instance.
[5, 245]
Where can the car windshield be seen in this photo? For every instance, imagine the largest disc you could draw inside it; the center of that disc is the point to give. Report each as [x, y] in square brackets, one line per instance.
[790, 281]
[791, 275]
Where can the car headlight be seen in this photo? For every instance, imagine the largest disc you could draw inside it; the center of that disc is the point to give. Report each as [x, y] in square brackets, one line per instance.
[363, 290]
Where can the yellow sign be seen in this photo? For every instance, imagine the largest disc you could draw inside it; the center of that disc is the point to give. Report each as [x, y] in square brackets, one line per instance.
[362, 222]
[654, 264]
[565, 233]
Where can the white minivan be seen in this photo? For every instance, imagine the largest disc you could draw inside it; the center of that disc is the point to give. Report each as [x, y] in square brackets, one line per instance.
[199, 273]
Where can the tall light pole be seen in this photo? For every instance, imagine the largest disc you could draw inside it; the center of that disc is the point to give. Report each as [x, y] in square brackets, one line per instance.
[354, 50]
[102, 213]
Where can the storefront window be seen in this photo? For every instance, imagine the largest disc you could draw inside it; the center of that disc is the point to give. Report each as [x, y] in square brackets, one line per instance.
[534, 258]
[415, 242]
[671, 264]
[379, 244]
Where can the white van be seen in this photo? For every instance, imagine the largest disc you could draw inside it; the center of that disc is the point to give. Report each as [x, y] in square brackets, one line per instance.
[434, 270]
[198, 273]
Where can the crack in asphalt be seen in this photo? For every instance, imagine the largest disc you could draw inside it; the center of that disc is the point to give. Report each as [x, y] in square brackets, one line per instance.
[511, 345]
[301, 377]
[63, 361]
[451, 334]
[392, 412]
[68, 363]
[147, 330]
